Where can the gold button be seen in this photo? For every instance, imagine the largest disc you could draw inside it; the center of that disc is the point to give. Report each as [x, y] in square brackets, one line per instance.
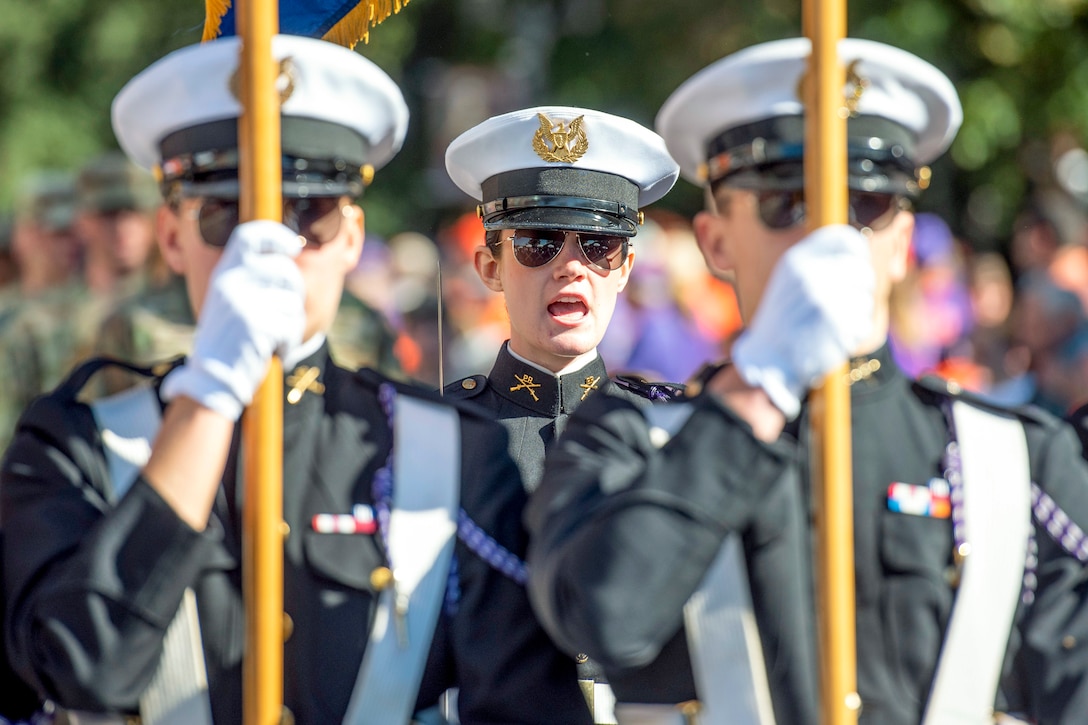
[689, 708]
[288, 626]
[468, 384]
[285, 529]
[1069, 642]
[581, 658]
[381, 578]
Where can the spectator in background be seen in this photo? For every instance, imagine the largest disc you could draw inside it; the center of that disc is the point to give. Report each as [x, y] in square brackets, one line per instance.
[655, 334]
[1035, 240]
[47, 254]
[991, 292]
[115, 224]
[110, 218]
[9, 272]
[1043, 323]
[931, 309]
[475, 316]
[43, 244]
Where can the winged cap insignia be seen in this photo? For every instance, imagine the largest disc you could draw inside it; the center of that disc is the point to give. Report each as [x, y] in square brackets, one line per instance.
[558, 142]
[852, 91]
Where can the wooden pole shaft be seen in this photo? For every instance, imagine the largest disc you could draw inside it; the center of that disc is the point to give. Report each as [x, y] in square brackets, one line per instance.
[260, 178]
[827, 202]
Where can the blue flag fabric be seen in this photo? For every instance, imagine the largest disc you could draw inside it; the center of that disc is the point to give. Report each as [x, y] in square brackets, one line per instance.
[340, 21]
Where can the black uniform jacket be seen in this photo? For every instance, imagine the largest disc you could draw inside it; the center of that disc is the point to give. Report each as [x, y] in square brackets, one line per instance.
[92, 582]
[623, 532]
[905, 573]
[534, 406]
[652, 520]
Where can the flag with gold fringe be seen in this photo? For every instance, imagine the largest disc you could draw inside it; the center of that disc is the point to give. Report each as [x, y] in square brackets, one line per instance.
[344, 22]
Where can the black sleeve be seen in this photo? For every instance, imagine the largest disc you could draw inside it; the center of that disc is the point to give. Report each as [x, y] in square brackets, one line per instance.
[1047, 678]
[623, 532]
[507, 668]
[91, 584]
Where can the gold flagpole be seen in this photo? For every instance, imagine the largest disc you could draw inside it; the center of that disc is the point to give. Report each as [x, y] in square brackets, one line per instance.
[827, 202]
[260, 179]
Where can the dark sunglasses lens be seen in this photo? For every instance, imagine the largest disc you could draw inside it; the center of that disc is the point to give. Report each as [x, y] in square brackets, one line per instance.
[217, 219]
[781, 209]
[604, 252]
[871, 210]
[536, 247]
[317, 219]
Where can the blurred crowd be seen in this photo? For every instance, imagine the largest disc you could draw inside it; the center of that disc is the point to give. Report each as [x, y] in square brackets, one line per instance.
[81, 275]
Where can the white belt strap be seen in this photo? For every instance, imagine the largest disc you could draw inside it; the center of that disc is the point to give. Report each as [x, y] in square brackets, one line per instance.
[178, 694]
[726, 653]
[422, 533]
[723, 639]
[997, 522]
[601, 701]
[629, 713]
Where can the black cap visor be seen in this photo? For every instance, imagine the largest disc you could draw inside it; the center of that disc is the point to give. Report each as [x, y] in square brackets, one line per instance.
[575, 220]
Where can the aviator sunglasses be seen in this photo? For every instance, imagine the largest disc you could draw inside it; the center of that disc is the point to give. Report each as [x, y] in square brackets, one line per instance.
[537, 247]
[316, 219]
[868, 210]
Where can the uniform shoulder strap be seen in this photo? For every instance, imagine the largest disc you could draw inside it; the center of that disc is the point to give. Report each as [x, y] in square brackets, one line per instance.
[996, 526]
[421, 536]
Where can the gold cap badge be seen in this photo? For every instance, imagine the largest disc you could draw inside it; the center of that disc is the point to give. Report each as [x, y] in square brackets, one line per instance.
[557, 142]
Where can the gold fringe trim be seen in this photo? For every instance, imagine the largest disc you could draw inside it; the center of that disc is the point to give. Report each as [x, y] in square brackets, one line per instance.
[214, 10]
[356, 24]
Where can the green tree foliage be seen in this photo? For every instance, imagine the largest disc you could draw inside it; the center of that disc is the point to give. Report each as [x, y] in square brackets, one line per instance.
[1021, 67]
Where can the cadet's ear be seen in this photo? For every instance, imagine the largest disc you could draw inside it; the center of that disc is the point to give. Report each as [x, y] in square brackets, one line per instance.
[625, 271]
[710, 235]
[353, 216]
[167, 226]
[902, 233]
[487, 266]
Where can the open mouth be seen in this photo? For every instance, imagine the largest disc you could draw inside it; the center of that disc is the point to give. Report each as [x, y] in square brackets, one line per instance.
[568, 309]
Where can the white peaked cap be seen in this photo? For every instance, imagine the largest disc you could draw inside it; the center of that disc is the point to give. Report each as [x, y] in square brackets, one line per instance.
[548, 166]
[763, 82]
[338, 104]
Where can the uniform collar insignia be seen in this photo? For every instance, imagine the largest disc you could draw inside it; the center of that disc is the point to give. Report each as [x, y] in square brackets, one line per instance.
[873, 370]
[304, 380]
[525, 382]
[591, 383]
[542, 392]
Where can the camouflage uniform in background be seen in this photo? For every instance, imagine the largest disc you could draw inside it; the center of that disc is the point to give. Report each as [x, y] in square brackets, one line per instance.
[43, 338]
[41, 341]
[33, 359]
[361, 336]
[157, 325]
[152, 326]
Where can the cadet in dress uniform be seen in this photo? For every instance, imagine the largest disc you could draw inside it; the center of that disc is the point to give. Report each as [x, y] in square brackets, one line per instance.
[96, 569]
[1011, 559]
[561, 191]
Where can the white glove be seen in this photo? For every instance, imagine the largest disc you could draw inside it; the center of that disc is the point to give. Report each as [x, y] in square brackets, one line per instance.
[254, 307]
[816, 310]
